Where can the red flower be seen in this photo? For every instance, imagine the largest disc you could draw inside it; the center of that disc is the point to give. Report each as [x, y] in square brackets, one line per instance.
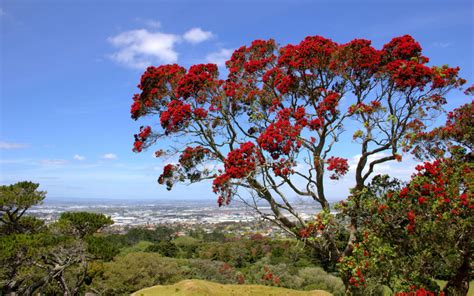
[421, 200]
[137, 146]
[338, 165]
[411, 216]
[176, 116]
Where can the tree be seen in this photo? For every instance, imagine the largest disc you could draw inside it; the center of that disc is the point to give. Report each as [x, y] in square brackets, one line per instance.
[15, 200]
[15, 227]
[281, 106]
[34, 256]
[423, 230]
[84, 223]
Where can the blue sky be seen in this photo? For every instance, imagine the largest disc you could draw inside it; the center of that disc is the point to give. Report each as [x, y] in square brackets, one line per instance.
[70, 68]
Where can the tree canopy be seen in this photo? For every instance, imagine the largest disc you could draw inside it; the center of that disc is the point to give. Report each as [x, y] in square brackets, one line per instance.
[270, 128]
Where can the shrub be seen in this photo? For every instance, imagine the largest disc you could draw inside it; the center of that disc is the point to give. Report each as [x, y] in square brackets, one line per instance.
[315, 278]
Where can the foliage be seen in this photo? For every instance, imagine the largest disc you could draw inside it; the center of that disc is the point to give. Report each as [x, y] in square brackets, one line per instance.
[53, 258]
[165, 248]
[84, 223]
[15, 200]
[135, 271]
[315, 278]
[101, 248]
[422, 231]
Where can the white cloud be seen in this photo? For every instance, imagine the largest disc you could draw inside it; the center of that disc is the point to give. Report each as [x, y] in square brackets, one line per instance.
[400, 170]
[11, 145]
[197, 35]
[79, 157]
[153, 24]
[142, 48]
[442, 44]
[380, 168]
[109, 156]
[219, 57]
[2, 12]
[53, 161]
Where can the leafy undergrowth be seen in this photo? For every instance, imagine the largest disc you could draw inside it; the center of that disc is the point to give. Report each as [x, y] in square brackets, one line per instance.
[201, 288]
[442, 284]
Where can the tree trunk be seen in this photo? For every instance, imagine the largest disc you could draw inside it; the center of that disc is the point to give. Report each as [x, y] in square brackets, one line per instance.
[458, 285]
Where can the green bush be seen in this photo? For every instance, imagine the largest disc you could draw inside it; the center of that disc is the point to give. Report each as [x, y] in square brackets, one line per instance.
[214, 271]
[136, 271]
[315, 278]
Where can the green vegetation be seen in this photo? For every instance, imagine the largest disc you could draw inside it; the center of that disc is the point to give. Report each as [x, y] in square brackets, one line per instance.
[54, 258]
[205, 288]
[72, 257]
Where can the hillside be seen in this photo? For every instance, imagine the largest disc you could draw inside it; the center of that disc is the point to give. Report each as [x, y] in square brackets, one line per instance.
[205, 288]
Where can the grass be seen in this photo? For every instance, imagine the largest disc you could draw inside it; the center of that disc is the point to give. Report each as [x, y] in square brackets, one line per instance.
[205, 288]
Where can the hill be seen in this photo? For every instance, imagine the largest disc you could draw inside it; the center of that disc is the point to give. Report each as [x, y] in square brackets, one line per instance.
[205, 288]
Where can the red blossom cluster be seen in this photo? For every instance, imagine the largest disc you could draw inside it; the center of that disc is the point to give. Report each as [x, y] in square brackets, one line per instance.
[409, 74]
[279, 79]
[307, 231]
[458, 131]
[402, 48]
[176, 116]
[270, 277]
[358, 279]
[248, 60]
[328, 104]
[443, 76]
[141, 138]
[365, 108]
[260, 54]
[418, 292]
[354, 267]
[469, 91]
[339, 165]
[357, 56]
[157, 85]
[192, 156]
[135, 109]
[167, 176]
[431, 188]
[200, 113]
[240, 163]
[159, 153]
[283, 167]
[314, 52]
[193, 83]
[282, 136]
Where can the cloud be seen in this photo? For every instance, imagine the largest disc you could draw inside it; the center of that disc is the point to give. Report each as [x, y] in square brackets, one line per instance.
[11, 145]
[141, 48]
[53, 161]
[153, 24]
[109, 156]
[219, 57]
[197, 35]
[2, 12]
[442, 44]
[79, 157]
[379, 168]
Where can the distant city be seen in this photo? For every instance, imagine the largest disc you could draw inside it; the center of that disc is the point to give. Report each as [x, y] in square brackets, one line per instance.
[134, 213]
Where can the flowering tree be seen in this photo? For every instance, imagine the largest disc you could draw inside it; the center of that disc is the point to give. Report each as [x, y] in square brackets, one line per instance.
[280, 107]
[424, 229]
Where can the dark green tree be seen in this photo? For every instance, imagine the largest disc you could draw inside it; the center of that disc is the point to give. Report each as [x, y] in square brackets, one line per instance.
[15, 200]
